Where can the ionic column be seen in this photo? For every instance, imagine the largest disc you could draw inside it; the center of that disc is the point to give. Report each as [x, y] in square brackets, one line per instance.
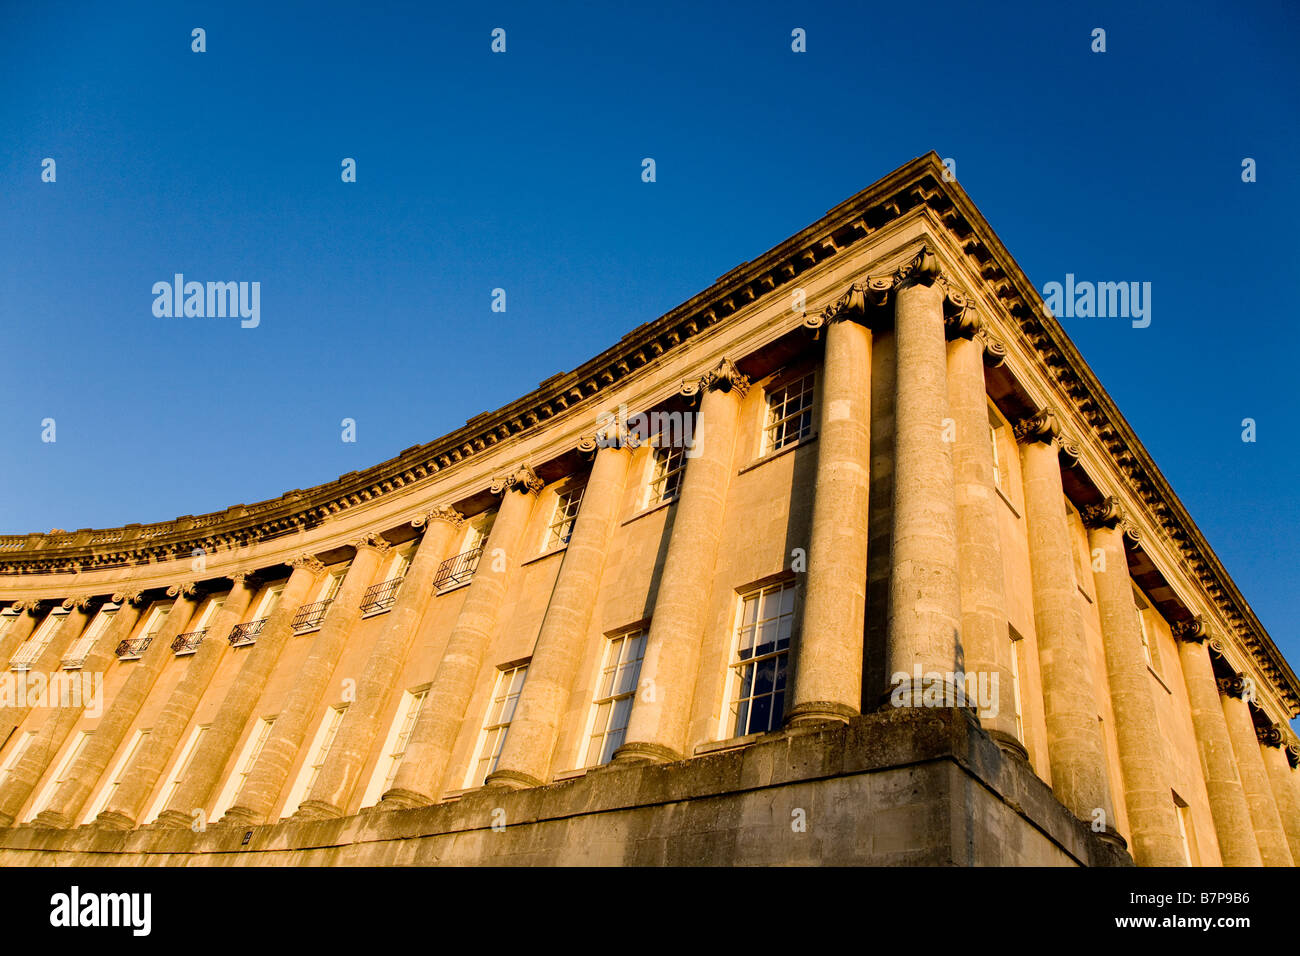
[254, 802]
[827, 672]
[109, 732]
[151, 758]
[1280, 777]
[1269, 833]
[986, 637]
[419, 778]
[1228, 805]
[1148, 793]
[22, 779]
[65, 632]
[657, 725]
[526, 755]
[924, 591]
[215, 747]
[1076, 752]
[340, 775]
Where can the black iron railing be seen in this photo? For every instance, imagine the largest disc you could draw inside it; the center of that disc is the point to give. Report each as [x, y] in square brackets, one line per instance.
[457, 570]
[380, 597]
[130, 650]
[188, 643]
[243, 634]
[310, 615]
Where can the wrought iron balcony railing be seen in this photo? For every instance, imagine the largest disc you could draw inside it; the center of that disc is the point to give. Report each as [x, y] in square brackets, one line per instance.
[457, 570]
[243, 634]
[188, 643]
[310, 615]
[133, 649]
[380, 597]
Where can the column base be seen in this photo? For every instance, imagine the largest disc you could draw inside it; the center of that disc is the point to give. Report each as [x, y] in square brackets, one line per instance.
[819, 712]
[172, 820]
[238, 816]
[645, 753]
[317, 810]
[1111, 835]
[929, 692]
[51, 819]
[403, 800]
[1008, 744]
[113, 820]
[512, 780]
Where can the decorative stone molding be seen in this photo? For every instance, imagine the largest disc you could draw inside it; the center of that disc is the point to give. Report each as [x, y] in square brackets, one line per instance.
[370, 541]
[1109, 514]
[32, 607]
[187, 589]
[1293, 755]
[1232, 687]
[1270, 736]
[245, 576]
[725, 377]
[134, 598]
[1041, 426]
[82, 603]
[1193, 631]
[523, 480]
[449, 515]
[995, 353]
[307, 561]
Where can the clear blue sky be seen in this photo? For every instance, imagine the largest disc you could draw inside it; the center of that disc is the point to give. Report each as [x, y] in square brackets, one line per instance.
[522, 171]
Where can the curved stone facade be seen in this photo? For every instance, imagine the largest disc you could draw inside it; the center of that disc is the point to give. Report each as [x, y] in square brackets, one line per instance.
[854, 527]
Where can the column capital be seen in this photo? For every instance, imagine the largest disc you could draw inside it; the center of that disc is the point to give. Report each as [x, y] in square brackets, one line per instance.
[523, 480]
[187, 589]
[81, 603]
[371, 541]
[960, 320]
[307, 561]
[449, 515]
[1232, 687]
[1042, 426]
[1109, 514]
[1293, 755]
[995, 353]
[1270, 736]
[32, 607]
[1194, 631]
[724, 377]
[134, 598]
[589, 445]
[245, 576]
[921, 269]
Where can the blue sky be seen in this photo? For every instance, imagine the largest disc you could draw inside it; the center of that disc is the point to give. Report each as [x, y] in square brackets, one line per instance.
[522, 171]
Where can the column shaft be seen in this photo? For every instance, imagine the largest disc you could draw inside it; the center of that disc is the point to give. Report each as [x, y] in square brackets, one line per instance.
[48, 664]
[657, 725]
[100, 746]
[266, 780]
[1148, 795]
[151, 759]
[986, 637]
[528, 749]
[1269, 833]
[1075, 748]
[428, 750]
[827, 670]
[1228, 807]
[924, 593]
[1286, 792]
[341, 774]
[214, 748]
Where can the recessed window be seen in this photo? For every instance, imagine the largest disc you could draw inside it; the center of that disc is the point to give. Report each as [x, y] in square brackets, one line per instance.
[460, 568]
[668, 466]
[16, 754]
[320, 752]
[615, 691]
[408, 712]
[180, 769]
[77, 654]
[995, 445]
[1185, 832]
[789, 414]
[563, 518]
[501, 711]
[31, 649]
[760, 660]
[247, 761]
[62, 773]
[1015, 680]
[109, 791]
[1145, 626]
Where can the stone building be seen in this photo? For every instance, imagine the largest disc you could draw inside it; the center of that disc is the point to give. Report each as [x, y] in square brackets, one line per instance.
[848, 559]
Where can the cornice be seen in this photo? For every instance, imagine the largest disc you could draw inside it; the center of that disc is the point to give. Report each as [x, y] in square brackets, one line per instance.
[918, 184]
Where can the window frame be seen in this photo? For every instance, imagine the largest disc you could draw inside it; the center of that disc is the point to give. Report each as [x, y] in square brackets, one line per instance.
[492, 724]
[734, 680]
[623, 635]
[782, 384]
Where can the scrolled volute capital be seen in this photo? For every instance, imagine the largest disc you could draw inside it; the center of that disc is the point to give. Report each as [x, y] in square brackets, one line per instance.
[1105, 514]
[995, 353]
[1270, 736]
[1042, 426]
[1068, 450]
[1194, 631]
[724, 377]
[371, 541]
[186, 589]
[308, 562]
[921, 269]
[30, 605]
[82, 603]
[245, 576]
[449, 515]
[523, 480]
[134, 598]
[1232, 687]
[1293, 754]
